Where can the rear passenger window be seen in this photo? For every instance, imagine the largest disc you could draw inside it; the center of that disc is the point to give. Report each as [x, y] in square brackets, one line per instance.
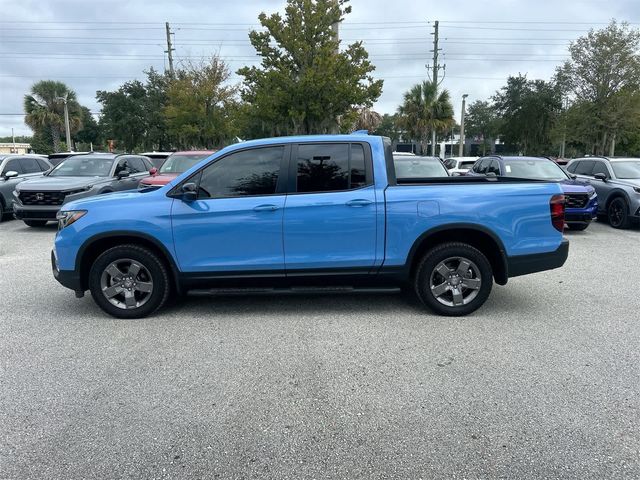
[330, 167]
[585, 167]
[30, 165]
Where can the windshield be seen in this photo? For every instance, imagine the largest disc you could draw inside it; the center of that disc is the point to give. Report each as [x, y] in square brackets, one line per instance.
[535, 169]
[418, 167]
[83, 166]
[627, 169]
[181, 163]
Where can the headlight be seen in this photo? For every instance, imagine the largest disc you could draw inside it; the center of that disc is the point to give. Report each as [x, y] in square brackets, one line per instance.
[66, 218]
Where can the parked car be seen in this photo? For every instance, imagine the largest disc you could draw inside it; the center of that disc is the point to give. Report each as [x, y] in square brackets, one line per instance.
[157, 158]
[581, 198]
[56, 158]
[459, 165]
[412, 166]
[319, 213]
[13, 170]
[174, 165]
[617, 181]
[38, 200]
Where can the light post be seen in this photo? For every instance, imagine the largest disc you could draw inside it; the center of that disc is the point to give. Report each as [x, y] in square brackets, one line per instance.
[66, 121]
[461, 150]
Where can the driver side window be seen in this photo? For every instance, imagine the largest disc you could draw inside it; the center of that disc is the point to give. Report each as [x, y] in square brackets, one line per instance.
[481, 166]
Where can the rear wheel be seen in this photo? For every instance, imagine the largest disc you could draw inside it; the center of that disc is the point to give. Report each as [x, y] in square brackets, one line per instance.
[129, 281]
[618, 213]
[35, 223]
[453, 279]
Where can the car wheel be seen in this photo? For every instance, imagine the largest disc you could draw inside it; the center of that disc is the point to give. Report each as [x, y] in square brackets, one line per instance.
[618, 213]
[35, 223]
[129, 281]
[453, 279]
[578, 227]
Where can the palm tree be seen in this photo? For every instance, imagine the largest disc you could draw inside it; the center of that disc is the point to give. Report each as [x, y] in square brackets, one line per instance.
[425, 110]
[44, 109]
[367, 119]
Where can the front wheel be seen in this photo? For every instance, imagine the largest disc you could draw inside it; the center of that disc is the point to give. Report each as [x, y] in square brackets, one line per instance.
[453, 279]
[129, 281]
[618, 213]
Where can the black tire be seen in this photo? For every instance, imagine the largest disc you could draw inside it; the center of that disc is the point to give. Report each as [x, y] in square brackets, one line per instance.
[618, 213]
[578, 227]
[479, 269]
[152, 272]
[2, 209]
[35, 223]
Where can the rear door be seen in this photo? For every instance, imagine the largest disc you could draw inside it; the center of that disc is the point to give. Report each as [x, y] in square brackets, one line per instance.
[330, 214]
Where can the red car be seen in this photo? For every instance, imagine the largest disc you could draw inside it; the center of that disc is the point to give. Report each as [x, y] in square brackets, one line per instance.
[174, 165]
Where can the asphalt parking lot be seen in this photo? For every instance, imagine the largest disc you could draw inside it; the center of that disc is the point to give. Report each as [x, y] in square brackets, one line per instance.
[542, 382]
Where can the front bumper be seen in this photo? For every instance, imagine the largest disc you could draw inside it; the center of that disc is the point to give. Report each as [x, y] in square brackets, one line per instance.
[538, 262]
[67, 278]
[39, 212]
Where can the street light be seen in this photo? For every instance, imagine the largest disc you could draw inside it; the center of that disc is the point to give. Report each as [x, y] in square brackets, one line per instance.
[66, 121]
[461, 150]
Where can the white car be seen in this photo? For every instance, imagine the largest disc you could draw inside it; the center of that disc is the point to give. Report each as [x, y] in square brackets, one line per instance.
[459, 165]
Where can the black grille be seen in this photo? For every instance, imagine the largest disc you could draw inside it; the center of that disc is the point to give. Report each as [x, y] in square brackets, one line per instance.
[576, 200]
[44, 198]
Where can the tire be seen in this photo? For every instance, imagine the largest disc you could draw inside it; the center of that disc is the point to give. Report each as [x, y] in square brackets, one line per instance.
[618, 213]
[125, 294]
[578, 227]
[450, 257]
[35, 223]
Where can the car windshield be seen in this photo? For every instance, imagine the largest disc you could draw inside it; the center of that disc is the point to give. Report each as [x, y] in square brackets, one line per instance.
[83, 166]
[419, 167]
[535, 169]
[627, 170]
[181, 163]
[466, 165]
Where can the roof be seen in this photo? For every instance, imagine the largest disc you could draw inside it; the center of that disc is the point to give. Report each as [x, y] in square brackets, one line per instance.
[193, 152]
[516, 157]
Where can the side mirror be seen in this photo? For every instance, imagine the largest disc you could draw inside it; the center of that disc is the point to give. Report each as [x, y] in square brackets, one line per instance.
[153, 171]
[123, 174]
[10, 174]
[189, 192]
[573, 176]
[600, 176]
[490, 174]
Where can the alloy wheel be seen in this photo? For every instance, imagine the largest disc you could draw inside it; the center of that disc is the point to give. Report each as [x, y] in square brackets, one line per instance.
[455, 281]
[126, 284]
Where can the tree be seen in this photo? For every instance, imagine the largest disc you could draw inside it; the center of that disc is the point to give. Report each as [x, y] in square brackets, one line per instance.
[90, 132]
[528, 110]
[389, 127]
[425, 110]
[367, 119]
[44, 110]
[482, 121]
[603, 73]
[305, 83]
[200, 106]
[133, 115]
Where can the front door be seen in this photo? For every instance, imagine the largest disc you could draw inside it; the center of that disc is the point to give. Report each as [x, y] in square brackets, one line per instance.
[235, 225]
[330, 220]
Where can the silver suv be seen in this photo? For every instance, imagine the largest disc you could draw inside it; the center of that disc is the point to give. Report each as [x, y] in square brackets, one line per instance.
[15, 169]
[617, 183]
[37, 201]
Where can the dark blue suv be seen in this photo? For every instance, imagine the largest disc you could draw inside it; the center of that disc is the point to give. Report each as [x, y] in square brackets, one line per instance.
[581, 198]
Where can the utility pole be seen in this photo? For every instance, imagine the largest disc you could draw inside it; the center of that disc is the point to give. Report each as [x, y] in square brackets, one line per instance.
[434, 78]
[66, 121]
[461, 150]
[169, 51]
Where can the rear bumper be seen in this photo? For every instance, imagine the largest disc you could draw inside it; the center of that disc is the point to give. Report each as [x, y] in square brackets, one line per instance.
[538, 262]
[67, 278]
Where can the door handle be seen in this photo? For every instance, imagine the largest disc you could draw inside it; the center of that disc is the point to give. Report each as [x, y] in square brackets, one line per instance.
[359, 202]
[265, 208]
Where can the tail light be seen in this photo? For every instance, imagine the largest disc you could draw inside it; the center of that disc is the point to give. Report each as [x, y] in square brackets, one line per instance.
[556, 204]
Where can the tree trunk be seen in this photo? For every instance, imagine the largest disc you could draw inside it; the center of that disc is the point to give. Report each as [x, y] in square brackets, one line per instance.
[612, 146]
[55, 137]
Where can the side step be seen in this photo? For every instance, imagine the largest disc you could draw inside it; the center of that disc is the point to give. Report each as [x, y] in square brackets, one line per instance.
[288, 291]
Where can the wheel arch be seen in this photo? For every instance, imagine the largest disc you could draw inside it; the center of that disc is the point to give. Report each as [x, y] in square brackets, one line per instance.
[475, 235]
[617, 193]
[94, 246]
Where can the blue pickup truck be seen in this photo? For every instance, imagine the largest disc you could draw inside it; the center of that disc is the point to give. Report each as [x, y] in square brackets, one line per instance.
[305, 214]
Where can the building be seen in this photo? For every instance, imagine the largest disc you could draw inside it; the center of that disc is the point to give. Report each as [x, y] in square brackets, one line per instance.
[14, 148]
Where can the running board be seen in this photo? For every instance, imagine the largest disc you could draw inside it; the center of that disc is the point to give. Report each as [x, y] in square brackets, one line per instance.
[208, 292]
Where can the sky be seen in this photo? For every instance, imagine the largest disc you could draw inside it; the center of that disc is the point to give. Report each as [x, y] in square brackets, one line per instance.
[98, 45]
